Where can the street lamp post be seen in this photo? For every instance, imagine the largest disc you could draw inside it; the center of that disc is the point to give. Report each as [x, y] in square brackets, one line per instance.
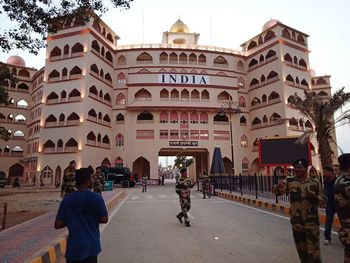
[229, 105]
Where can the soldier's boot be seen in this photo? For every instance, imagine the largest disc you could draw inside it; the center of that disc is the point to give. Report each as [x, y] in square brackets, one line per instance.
[203, 195]
[179, 216]
[187, 223]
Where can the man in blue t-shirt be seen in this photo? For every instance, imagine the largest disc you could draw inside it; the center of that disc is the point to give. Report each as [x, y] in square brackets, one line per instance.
[82, 212]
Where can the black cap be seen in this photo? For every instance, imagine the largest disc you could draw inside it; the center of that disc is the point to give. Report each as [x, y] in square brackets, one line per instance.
[183, 170]
[302, 162]
[344, 161]
[82, 175]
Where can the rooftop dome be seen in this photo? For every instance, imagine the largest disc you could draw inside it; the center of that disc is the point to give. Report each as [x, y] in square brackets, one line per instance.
[312, 72]
[179, 27]
[16, 60]
[269, 24]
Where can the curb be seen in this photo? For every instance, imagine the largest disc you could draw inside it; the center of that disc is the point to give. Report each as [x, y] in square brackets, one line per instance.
[269, 206]
[58, 249]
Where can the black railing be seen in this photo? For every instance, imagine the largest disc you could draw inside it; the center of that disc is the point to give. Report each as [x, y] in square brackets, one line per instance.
[259, 186]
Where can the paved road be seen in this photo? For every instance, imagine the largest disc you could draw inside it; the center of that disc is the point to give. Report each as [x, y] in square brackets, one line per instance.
[144, 229]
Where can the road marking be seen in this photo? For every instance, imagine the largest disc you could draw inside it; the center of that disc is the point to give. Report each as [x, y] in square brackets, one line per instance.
[269, 213]
[102, 227]
[134, 197]
[190, 216]
[149, 196]
[162, 196]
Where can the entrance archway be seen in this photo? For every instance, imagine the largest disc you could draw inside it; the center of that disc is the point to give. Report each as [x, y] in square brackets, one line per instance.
[141, 166]
[16, 170]
[106, 162]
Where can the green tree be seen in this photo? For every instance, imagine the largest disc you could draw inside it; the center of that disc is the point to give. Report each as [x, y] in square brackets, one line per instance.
[325, 114]
[182, 162]
[5, 78]
[36, 18]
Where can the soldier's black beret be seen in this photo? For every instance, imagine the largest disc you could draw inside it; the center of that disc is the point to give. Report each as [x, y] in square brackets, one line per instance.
[302, 162]
[344, 161]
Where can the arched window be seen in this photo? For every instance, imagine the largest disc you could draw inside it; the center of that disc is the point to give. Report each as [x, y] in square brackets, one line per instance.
[243, 121]
[56, 52]
[272, 75]
[164, 94]
[261, 58]
[144, 58]
[174, 94]
[94, 69]
[163, 58]
[183, 58]
[264, 99]
[174, 117]
[49, 146]
[293, 122]
[105, 139]
[109, 56]
[241, 102]
[74, 93]
[120, 118]
[71, 145]
[18, 134]
[106, 118]
[300, 39]
[51, 120]
[173, 58]
[322, 94]
[223, 96]
[95, 46]
[120, 99]
[270, 54]
[107, 98]
[145, 115]
[302, 63]
[102, 73]
[76, 71]
[103, 51]
[63, 94]
[91, 137]
[22, 87]
[77, 48]
[121, 60]
[24, 73]
[203, 118]
[184, 118]
[119, 139]
[163, 117]
[220, 61]
[73, 117]
[265, 120]
[22, 104]
[251, 45]
[204, 95]
[321, 81]
[256, 122]
[192, 59]
[143, 94]
[202, 59]
[285, 33]
[244, 141]
[108, 77]
[274, 96]
[245, 166]
[121, 78]
[308, 125]
[185, 95]
[275, 118]
[92, 113]
[194, 117]
[20, 118]
[269, 35]
[52, 97]
[288, 58]
[255, 102]
[66, 51]
[110, 37]
[61, 119]
[240, 65]
[93, 90]
[254, 82]
[195, 95]
[54, 75]
[253, 62]
[304, 83]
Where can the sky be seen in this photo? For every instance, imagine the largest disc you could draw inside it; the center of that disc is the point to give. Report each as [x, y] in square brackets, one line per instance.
[229, 23]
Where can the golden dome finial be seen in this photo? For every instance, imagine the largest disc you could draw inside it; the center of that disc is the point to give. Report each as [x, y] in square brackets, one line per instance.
[179, 27]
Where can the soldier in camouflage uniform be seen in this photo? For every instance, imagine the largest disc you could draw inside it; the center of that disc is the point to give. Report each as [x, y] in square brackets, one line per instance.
[305, 196]
[68, 183]
[205, 184]
[98, 181]
[342, 203]
[144, 183]
[184, 184]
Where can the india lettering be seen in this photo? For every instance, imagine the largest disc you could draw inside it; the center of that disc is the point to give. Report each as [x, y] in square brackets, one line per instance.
[184, 79]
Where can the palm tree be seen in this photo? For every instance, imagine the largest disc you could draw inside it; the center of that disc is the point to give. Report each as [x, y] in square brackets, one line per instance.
[321, 111]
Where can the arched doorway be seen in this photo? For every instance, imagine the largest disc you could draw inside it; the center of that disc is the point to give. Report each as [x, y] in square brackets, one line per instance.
[46, 176]
[118, 162]
[58, 174]
[141, 166]
[255, 168]
[16, 170]
[106, 162]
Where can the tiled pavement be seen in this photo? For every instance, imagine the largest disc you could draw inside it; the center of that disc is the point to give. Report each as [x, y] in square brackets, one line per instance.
[20, 243]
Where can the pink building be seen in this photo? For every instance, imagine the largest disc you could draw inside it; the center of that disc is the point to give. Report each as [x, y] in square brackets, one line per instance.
[103, 104]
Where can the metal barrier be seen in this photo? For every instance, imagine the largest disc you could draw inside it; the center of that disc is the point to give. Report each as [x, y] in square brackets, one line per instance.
[258, 185]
